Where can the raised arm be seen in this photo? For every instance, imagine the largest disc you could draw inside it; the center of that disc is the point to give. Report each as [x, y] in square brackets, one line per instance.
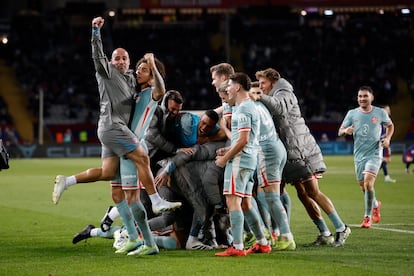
[159, 86]
[100, 61]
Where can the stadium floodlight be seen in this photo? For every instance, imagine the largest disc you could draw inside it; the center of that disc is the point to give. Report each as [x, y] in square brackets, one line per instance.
[328, 12]
[405, 11]
[4, 39]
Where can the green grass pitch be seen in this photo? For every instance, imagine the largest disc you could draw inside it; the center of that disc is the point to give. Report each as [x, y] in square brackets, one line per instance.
[35, 236]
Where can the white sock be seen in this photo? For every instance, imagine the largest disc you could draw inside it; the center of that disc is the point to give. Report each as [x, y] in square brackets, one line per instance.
[263, 241]
[113, 214]
[238, 246]
[326, 234]
[94, 232]
[155, 198]
[191, 239]
[287, 237]
[70, 180]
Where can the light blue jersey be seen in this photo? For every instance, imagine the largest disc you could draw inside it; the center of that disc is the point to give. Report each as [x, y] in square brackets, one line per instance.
[144, 110]
[272, 153]
[245, 118]
[367, 139]
[227, 110]
[238, 174]
[267, 128]
[367, 131]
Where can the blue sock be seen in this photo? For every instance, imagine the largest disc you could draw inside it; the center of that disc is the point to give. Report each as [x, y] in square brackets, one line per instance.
[336, 221]
[285, 199]
[165, 242]
[108, 234]
[369, 199]
[236, 222]
[252, 218]
[128, 219]
[320, 223]
[278, 212]
[384, 167]
[256, 208]
[140, 216]
[264, 210]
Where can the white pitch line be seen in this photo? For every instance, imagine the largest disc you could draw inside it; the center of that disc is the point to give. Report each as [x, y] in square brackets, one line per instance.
[388, 229]
[397, 224]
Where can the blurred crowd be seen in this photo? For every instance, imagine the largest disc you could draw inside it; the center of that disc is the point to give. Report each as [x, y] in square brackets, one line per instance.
[325, 58]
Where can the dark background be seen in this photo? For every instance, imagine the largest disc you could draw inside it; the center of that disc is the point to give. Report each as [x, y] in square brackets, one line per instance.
[326, 58]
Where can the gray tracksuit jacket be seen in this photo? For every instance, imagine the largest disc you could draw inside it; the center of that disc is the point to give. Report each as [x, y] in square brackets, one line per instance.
[304, 155]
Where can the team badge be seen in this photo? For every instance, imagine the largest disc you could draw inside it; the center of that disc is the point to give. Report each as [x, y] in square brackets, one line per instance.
[374, 120]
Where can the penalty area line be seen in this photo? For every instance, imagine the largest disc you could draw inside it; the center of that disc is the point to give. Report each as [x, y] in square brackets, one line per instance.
[386, 229]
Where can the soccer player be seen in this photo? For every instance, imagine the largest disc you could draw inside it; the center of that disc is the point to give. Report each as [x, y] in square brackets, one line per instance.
[304, 158]
[150, 80]
[364, 123]
[116, 85]
[249, 239]
[284, 195]
[271, 160]
[240, 161]
[408, 158]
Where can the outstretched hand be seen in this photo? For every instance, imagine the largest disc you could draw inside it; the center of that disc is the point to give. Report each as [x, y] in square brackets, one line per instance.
[162, 179]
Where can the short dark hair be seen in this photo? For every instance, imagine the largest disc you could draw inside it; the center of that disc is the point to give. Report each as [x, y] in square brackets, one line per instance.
[212, 115]
[174, 95]
[242, 79]
[367, 88]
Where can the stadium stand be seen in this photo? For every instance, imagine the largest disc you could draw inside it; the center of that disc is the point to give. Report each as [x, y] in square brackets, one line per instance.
[326, 58]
